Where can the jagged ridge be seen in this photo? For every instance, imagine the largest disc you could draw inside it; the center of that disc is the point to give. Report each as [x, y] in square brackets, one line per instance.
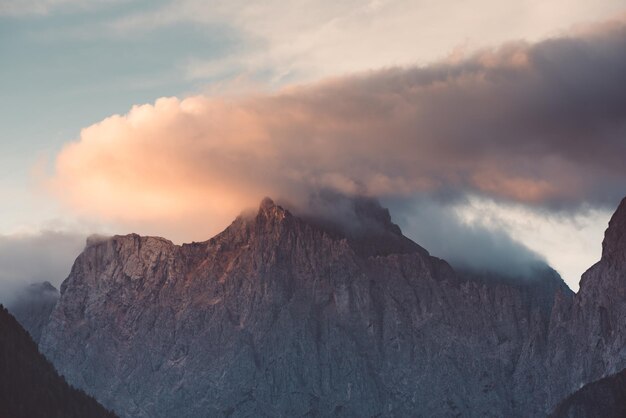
[281, 315]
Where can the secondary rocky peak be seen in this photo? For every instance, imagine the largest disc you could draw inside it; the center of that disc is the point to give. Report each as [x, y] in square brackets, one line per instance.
[372, 214]
[44, 287]
[614, 244]
[32, 306]
[133, 243]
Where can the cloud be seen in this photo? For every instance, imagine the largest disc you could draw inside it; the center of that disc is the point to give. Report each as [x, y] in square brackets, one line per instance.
[510, 239]
[34, 258]
[29, 7]
[538, 126]
[541, 124]
[473, 245]
[570, 242]
[307, 39]
[15, 8]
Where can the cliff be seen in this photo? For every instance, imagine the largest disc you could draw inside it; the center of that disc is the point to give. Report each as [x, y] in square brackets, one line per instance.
[286, 316]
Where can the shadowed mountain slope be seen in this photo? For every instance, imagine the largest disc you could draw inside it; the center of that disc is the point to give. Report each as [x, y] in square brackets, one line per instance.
[286, 316]
[604, 398]
[29, 385]
[588, 332]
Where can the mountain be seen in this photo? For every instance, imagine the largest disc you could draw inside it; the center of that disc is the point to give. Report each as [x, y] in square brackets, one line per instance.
[29, 385]
[604, 398]
[281, 315]
[588, 332]
[33, 305]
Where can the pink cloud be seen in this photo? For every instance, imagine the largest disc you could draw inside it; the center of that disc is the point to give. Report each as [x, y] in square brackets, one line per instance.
[539, 124]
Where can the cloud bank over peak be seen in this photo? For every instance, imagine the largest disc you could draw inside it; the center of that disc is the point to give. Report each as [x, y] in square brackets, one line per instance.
[539, 125]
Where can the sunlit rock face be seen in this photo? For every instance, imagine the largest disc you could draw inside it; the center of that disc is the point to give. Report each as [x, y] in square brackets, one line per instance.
[286, 316]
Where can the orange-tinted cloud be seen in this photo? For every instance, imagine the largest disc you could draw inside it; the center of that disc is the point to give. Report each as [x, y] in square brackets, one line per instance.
[541, 124]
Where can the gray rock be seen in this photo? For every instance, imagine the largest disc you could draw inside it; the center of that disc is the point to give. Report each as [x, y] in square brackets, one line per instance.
[285, 316]
[588, 333]
[604, 398]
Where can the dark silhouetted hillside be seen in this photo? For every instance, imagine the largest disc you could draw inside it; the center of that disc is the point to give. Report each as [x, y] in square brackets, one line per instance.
[604, 398]
[29, 385]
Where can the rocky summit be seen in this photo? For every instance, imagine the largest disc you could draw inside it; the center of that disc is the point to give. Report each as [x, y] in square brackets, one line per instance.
[286, 316]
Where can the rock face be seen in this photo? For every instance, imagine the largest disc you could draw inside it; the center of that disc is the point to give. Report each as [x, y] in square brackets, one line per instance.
[29, 385]
[588, 333]
[604, 398]
[286, 316]
[33, 305]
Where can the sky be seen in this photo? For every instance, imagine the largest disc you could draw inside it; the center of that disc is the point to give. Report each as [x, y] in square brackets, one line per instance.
[494, 132]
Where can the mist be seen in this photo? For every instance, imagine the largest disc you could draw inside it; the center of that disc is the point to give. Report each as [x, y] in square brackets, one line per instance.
[471, 246]
[34, 258]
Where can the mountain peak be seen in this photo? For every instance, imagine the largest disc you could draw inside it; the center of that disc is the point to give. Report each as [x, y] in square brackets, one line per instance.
[33, 305]
[361, 221]
[614, 244]
[268, 208]
[270, 213]
[266, 203]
